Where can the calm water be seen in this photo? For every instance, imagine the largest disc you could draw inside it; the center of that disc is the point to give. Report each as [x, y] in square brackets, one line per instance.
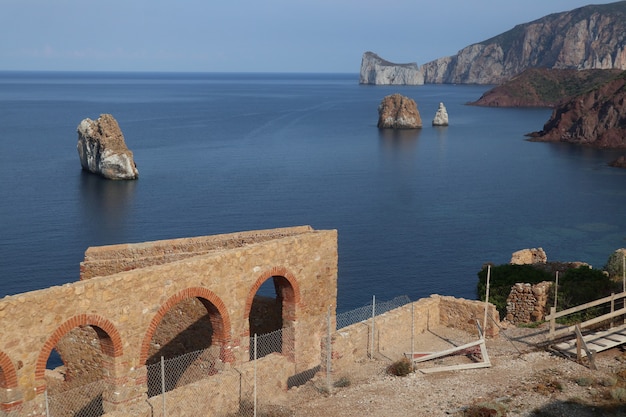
[417, 212]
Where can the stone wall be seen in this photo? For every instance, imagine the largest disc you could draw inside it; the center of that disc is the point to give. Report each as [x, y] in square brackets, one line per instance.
[127, 290]
[393, 330]
[527, 303]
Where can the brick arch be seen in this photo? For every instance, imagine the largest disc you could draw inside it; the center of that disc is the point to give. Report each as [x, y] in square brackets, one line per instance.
[292, 297]
[209, 300]
[110, 340]
[8, 374]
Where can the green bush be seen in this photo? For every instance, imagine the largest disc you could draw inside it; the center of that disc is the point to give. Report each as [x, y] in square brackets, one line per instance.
[401, 367]
[576, 286]
[503, 277]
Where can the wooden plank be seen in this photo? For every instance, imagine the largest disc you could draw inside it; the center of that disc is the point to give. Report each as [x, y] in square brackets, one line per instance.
[456, 367]
[447, 351]
[586, 306]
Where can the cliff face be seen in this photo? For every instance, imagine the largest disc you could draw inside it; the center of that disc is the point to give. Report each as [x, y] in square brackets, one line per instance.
[590, 37]
[596, 118]
[375, 70]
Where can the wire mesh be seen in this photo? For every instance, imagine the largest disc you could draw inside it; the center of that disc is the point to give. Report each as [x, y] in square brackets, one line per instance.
[234, 391]
[82, 401]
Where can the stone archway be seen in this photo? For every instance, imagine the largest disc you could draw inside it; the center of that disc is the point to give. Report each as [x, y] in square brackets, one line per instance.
[191, 330]
[10, 398]
[273, 319]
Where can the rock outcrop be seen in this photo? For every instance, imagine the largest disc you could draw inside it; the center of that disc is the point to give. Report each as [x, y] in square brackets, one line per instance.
[596, 118]
[102, 150]
[398, 112]
[375, 70]
[543, 87]
[529, 257]
[441, 117]
[590, 37]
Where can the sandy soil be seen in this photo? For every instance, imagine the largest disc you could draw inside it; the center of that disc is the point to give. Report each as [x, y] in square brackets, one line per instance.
[526, 378]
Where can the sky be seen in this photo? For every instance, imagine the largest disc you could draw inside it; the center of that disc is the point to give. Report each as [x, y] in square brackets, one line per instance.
[249, 35]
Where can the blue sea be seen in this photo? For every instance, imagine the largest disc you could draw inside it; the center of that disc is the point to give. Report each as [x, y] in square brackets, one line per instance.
[417, 212]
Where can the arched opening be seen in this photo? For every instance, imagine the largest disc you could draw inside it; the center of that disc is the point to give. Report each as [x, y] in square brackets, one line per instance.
[272, 317]
[10, 397]
[78, 359]
[187, 343]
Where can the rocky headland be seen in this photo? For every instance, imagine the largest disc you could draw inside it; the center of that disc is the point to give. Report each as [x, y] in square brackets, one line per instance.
[589, 37]
[375, 70]
[543, 87]
[102, 149]
[398, 112]
[596, 118]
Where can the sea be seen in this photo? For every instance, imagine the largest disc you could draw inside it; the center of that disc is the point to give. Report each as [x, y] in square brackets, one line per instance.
[418, 212]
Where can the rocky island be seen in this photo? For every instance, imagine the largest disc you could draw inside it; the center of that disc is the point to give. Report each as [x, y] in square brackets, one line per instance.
[102, 149]
[398, 112]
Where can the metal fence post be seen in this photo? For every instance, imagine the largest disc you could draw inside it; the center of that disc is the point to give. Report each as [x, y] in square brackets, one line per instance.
[412, 331]
[255, 365]
[373, 325]
[163, 384]
[45, 394]
[329, 352]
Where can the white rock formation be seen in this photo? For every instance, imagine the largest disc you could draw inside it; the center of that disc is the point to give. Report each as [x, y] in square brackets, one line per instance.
[375, 70]
[102, 150]
[441, 117]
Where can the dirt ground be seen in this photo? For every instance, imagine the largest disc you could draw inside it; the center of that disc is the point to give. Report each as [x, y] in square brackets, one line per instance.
[526, 378]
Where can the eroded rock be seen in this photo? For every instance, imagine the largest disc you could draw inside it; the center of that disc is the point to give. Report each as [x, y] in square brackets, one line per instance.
[102, 149]
[398, 112]
[441, 117]
[529, 257]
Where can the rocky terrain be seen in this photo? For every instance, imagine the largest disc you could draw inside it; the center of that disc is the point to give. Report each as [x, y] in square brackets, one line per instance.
[590, 37]
[596, 118]
[542, 87]
[526, 379]
[375, 70]
[398, 112]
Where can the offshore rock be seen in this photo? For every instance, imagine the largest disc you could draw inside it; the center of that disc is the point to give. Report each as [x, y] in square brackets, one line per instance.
[398, 112]
[375, 70]
[590, 37]
[102, 150]
[596, 118]
[441, 117]
[529, 257]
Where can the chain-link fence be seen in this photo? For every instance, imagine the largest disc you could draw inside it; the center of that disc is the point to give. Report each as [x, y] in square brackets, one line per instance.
[244, 390]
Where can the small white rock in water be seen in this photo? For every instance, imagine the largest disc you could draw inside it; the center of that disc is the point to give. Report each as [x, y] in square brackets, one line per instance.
[441, 117]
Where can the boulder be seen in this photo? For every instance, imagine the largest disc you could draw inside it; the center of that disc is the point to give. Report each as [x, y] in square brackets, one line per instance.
[102, 150]
[529, 257]
[398, 112]
[375, 70]
[441, 117]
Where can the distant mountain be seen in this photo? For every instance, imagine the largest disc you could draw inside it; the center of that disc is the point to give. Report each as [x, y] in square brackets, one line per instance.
[542, 87]
[590, 37]
[596, 117]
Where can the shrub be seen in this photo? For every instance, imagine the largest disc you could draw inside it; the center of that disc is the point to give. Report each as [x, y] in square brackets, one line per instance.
[503, 277]
[342, 382]
[401, 367]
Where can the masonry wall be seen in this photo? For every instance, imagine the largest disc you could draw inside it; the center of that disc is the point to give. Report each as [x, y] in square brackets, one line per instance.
[394, 329]
[124, 298]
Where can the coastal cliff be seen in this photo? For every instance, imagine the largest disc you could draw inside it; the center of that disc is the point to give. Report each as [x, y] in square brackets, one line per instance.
[596, 118]
[375, 70]
[590, 37]
[543, 87]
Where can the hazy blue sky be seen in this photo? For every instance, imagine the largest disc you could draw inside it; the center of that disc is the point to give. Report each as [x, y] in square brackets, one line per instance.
[249, 35]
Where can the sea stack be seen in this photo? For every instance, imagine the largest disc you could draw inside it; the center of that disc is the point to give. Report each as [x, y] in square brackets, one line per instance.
[398, 112]
[102, 149]
[441, 117]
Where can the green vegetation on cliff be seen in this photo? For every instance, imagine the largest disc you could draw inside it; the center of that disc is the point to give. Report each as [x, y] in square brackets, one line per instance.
[541, 87]
[576, 285]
